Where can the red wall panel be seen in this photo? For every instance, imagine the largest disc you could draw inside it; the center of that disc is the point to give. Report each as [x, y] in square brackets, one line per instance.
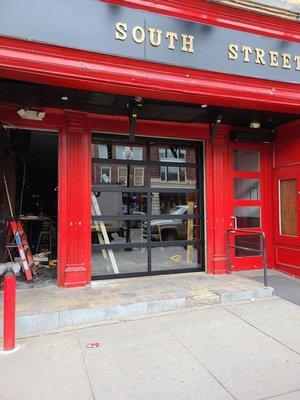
[286, 154]
[288, 260]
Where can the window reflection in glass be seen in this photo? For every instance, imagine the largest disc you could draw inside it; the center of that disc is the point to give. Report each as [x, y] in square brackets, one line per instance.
[121, 175]
[172, 154]
[247, 216]
[170, 177]
[117, 230]
[173, 174]
[118, 151]
[99, 151]
[118, 203]
[105, 176]
[129, 153]
[248, 241]
[174, 257]
[246, 189]
[246, 160]
[120, 261]
[131, 231]
[170, 230]
[170, 203]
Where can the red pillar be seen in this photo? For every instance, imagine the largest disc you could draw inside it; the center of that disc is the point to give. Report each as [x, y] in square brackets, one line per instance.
[74, 202]
[9, 312]
[218, 203]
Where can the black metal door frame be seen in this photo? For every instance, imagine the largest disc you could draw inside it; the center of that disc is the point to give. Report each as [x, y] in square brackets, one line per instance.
[148, 163]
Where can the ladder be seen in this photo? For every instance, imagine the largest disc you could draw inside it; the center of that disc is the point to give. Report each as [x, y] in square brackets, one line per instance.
[102, 234]
[19, 240]
[16, 238]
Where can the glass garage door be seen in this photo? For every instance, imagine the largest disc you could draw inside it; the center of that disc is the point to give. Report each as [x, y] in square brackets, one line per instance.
[147, 207]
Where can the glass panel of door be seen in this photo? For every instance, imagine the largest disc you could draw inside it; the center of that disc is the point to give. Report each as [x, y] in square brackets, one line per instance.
[147, 207]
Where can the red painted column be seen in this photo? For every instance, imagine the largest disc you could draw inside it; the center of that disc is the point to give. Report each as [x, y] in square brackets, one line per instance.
[74, 199]
[217, 204]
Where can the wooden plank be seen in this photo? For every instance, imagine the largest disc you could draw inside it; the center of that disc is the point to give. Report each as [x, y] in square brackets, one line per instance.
[190, 233]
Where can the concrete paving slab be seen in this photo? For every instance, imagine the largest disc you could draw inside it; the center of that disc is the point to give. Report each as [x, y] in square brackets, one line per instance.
[250, 364]
[205, 353]
[36, 323]
[286, 396]
[131, 290]
[285, 286]
[46, 367]
[277, 318]
[46, 309]
[143, 360]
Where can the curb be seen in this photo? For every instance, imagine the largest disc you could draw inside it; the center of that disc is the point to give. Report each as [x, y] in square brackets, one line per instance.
[232, 297]
[27, 325]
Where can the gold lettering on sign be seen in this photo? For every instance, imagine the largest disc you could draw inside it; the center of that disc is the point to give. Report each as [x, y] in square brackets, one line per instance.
[273, 58]
[187, 43]
[172, 36]
[247, 51]
[138, 34]
[286, 60]
[297, 61]
[121, 31]
[155, 37]
[155, 32]
[260, 53]
[233, 52]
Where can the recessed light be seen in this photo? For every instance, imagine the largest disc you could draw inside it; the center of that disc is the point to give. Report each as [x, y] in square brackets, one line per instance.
[204, 106]
[255, 125]
[64, 98]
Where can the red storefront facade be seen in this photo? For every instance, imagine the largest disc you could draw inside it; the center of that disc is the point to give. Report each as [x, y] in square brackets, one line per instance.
[70, 68]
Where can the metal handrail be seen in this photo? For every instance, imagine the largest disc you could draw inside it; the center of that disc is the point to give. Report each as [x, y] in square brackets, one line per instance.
[262, 250]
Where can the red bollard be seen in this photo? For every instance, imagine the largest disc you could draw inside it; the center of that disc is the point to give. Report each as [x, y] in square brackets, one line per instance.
[9, 314]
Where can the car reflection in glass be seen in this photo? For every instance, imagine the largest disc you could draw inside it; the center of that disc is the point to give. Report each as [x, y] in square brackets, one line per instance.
[169, 229]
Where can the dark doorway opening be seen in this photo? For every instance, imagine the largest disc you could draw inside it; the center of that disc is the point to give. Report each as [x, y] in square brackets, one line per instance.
[31, 170]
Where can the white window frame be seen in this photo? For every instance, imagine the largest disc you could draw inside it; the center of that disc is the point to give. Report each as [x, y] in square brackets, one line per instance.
[140, 149]
[173, 159]
[107, 167]
[97, 151]
[166, 174]
[126, 177]
[134, 175]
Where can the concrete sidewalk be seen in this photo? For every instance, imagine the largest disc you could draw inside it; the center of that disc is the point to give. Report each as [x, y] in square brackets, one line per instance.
[51, 308]
[245, 351]
[287, 287]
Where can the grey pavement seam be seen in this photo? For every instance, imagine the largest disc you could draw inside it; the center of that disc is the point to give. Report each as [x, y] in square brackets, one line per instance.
[85, 367]
[197, 359]
[261, 331]
[280, 394]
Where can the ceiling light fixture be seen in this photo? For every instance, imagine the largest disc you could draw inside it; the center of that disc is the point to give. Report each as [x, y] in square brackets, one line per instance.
[204, 106]
[64, 98]
[31, 114]
[255, 125]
